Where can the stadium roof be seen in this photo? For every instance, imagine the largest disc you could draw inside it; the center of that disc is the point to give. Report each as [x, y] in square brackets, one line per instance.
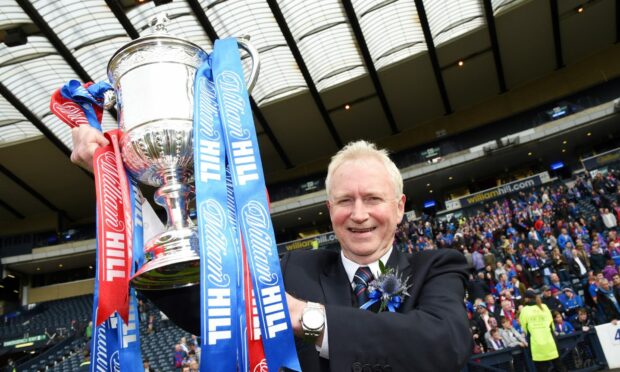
[409, 70]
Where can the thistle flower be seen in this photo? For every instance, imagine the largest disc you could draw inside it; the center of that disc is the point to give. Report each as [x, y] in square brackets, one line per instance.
[390, 288]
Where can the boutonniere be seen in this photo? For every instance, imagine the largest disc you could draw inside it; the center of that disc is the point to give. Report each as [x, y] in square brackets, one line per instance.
[389, 288]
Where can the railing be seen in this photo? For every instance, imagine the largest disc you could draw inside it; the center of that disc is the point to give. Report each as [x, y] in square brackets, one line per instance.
[579, 351]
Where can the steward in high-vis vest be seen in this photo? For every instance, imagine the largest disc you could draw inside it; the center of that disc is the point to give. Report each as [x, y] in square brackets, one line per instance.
[536, 320]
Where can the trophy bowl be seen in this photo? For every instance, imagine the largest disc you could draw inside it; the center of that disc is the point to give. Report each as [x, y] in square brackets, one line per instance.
[153, 80]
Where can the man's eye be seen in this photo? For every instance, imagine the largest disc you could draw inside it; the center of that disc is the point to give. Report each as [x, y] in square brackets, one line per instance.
[373, 200]
[343, 202]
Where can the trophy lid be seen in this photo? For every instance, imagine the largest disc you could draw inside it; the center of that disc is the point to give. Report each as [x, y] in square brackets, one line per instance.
[156, 47]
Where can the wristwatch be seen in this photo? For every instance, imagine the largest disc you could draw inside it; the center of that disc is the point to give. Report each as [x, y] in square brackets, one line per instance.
[312, 321]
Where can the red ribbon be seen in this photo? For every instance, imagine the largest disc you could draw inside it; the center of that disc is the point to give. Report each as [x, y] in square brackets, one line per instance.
[114, 230]
[70, 112]
[257, 360]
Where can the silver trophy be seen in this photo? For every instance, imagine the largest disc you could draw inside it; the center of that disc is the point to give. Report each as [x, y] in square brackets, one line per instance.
[153, 80]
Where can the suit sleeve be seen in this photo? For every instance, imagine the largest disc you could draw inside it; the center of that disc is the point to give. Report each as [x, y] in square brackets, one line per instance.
[432, 336]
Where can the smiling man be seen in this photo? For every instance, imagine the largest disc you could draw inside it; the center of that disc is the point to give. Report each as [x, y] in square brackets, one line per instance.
[426, 331]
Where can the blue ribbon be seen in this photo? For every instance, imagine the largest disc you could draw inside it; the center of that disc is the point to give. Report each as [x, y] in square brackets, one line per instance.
[86, 98]
[220, 272]
[129, 334]
[375, 296]
[252, 211]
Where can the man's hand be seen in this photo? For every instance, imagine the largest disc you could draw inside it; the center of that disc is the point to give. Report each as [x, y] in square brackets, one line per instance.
[295, 309]
[86, 140]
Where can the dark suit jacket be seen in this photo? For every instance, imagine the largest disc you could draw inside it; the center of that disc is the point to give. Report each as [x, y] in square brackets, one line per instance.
[430, 331]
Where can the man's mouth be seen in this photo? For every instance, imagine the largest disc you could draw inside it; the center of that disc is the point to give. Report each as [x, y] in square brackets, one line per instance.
[356, 230]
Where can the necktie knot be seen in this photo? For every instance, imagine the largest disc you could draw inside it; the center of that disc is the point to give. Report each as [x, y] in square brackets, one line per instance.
[362, 277]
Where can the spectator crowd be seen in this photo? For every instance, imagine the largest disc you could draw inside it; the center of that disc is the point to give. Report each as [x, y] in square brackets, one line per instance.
[560, 240]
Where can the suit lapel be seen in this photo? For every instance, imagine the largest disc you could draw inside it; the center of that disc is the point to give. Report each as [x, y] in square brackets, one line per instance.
[401, 263]
[335, 284]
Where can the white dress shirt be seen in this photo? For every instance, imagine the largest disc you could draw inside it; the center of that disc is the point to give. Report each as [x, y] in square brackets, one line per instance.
[351, 268]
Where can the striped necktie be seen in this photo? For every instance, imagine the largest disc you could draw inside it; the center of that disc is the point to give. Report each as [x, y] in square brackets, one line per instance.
[362, 277]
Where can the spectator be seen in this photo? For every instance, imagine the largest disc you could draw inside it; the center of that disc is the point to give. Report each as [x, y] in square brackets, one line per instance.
[477, 287]
[178, 357]
[503, 284]
[499, 270]
[492, 306]
[583, 322]
[609, 271]
[551, 301]
[579, 266]
[495, 340]
[193, 367]
[571, 303]
[481, 318]
[518, 287]
[597, 259]
[609, 220]
[183, 343]
[560, 265]
[561, 327]
[616, 281]
[564, 238]
[489, 257]
[510, 335]
[555, 284]
[609, 300]
[478, 260]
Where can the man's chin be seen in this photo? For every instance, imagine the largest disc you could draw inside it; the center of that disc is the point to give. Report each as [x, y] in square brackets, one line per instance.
[364, 254]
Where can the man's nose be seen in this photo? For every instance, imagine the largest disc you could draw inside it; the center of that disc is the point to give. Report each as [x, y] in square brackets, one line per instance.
[359, 212]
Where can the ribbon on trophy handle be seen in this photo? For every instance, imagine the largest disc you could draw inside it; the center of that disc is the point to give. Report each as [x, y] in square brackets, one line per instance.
[115, 342]
[225, 142]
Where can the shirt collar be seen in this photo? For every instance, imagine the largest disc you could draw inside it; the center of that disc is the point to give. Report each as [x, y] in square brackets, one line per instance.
[351, 267]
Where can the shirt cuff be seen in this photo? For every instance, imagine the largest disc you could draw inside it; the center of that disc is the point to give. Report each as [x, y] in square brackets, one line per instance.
[324, 348]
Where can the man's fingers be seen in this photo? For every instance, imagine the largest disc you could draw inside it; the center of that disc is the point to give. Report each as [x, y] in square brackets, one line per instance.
[86, 140]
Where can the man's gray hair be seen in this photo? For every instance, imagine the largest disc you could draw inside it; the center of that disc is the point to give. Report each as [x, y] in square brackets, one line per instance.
[363, 149]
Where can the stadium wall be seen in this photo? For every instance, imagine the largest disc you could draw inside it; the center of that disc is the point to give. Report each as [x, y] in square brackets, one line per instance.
[59, 291]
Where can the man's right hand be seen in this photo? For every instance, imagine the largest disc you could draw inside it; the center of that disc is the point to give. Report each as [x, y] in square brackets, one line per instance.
[86, 140]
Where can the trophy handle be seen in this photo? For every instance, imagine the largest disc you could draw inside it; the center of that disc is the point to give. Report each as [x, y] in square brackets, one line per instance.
[244, 44]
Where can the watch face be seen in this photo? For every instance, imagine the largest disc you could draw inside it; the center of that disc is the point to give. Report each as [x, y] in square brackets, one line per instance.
[313, 319]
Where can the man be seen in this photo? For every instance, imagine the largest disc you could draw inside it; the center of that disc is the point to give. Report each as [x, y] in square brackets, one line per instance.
[492, 306]
[597, 258]
[495, 340]
[366, 202]
[555, 285]
[608, 301]
[510, 335]
[571, 302]
[477, 287]
[551, 301]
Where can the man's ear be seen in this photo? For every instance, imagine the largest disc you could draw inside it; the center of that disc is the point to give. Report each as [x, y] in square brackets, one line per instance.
[401, 206]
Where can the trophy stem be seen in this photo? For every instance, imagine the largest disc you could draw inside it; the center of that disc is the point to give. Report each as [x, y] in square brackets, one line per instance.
[172, 259]
[175, 198]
